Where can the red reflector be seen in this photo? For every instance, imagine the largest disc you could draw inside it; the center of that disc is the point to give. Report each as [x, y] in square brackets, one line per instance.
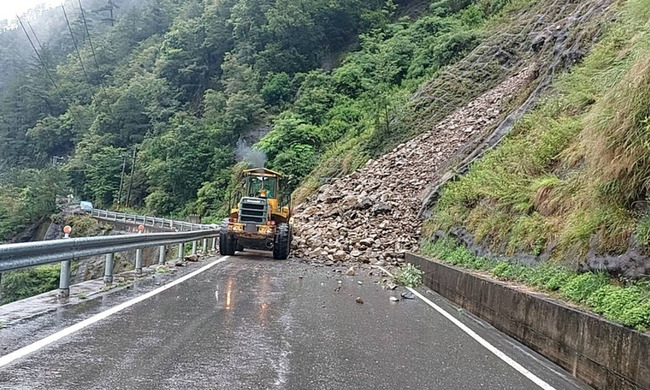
[271, 223]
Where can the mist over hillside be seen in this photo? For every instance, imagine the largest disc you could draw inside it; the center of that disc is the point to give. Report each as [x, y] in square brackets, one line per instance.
[47, 27]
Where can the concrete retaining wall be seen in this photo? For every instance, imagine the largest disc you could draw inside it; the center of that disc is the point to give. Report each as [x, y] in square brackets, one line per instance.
[92, 267]
[598, 352]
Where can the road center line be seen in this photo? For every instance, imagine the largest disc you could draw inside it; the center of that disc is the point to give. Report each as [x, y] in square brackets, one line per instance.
[507, 359]
[22, 352]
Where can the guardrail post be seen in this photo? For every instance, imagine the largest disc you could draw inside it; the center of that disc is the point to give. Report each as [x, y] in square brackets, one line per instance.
[214, 244]
[108, 269]
[0, 286]
[138, 261]
[205, 246]
[194, 247]
[64, 279]
[180, 251]
[161, 255]
[138, 254]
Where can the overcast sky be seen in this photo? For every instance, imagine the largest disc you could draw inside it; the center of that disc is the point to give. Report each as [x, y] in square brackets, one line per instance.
[9, 8]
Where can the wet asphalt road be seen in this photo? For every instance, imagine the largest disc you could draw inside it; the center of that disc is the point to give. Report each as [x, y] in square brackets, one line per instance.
[254, 323]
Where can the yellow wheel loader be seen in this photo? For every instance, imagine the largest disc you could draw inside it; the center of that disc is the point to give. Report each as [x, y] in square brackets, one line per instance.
[258, 221]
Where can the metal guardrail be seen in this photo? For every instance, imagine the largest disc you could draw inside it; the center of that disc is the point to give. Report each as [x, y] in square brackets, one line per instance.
[31, 254]
[180, 226]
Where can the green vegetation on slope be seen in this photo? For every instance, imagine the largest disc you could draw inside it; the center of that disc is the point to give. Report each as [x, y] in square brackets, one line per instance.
[576, 168]
[26, 196]
[181, 82]
[18, 285]
[472, 49]
[626, 303]
[178, 81]
[343, 118]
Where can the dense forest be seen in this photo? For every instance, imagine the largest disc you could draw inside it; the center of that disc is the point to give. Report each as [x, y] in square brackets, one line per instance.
[152, 104]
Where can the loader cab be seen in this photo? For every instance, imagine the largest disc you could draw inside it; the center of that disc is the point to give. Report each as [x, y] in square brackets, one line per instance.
[260, 186]
[262, 183]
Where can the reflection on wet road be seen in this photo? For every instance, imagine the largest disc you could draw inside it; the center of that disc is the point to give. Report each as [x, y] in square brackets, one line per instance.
[255, 323]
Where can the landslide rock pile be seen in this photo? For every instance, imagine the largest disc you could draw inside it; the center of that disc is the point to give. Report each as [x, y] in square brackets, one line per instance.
[371, 214]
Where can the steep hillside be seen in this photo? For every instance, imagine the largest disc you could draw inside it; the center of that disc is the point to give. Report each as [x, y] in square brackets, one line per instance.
[571, 180]
[547, 38]
[372, 215]
[553, 34]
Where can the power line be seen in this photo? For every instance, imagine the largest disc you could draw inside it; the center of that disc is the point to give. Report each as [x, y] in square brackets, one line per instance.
[74, 42]
[47, 71]
[92, 47]
[35, 37]
[40, 46]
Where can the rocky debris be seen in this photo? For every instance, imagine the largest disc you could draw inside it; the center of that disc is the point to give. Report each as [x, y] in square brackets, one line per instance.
[359, 300]
[371, 215]
[192, 258]
[408, 295]
[394, 299]
[350, 271]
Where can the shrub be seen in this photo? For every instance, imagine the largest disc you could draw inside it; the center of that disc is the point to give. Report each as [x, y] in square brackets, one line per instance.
[409, 275]
[276, 88]
[82, 225]
[27, 283]
[630, 306]
[580, 287]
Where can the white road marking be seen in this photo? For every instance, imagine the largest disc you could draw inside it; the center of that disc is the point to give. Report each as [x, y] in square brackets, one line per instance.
[22, 352]
[507, 359]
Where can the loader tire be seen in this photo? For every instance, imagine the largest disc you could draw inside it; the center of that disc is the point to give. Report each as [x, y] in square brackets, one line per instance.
[226, 242]
[282, 244]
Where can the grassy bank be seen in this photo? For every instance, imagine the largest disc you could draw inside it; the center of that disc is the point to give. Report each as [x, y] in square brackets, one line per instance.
[627, 303]
[573, 174]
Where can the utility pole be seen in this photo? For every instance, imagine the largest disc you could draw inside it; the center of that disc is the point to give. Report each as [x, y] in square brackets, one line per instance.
[110, 6]
[119, 193]
[128, 194]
